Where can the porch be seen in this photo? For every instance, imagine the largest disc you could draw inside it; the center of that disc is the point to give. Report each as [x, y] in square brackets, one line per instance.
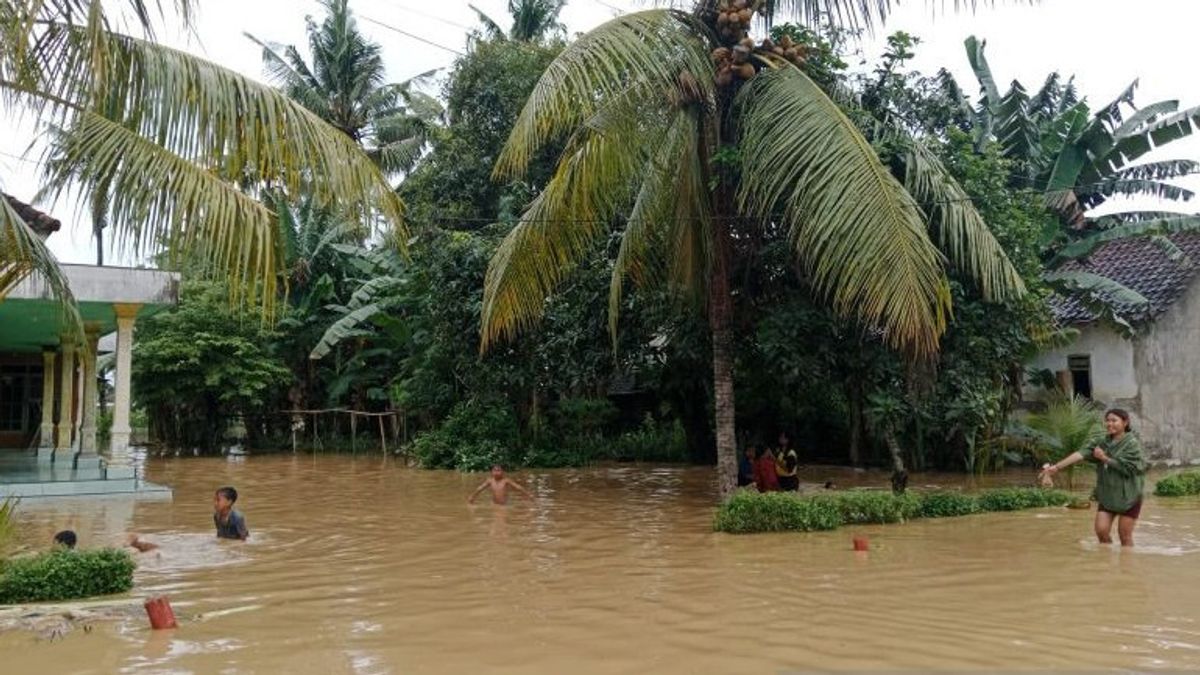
[49, 383]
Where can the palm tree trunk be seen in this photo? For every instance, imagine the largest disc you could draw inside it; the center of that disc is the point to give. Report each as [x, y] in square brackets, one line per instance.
[899, 474]
[720, 317]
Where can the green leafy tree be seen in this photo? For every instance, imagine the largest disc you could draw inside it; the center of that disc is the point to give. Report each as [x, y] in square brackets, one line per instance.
[345, 85]
[705, 136]
[200, 365]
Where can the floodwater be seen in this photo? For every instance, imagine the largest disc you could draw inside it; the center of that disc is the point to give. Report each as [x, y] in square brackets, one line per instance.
[362, 566]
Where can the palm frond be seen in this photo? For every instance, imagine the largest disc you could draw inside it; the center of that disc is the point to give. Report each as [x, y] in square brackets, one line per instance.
[670, 209]
[197, 118]
[650, 48]
[593, 178]
[859, 233]
[960, 231]
[23, 254]
[1159, 227]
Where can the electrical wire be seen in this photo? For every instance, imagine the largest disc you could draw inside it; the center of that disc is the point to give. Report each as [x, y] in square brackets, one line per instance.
[405, 33]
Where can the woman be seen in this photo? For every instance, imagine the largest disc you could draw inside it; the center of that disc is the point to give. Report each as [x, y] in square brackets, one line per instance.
[764, 471]
[1120, 477]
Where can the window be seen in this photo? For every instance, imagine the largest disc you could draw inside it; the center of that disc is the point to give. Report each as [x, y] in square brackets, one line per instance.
[1081, 374]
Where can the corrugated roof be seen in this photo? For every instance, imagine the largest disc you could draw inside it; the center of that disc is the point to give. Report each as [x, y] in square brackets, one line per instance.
[41, 222]
[1140, 264]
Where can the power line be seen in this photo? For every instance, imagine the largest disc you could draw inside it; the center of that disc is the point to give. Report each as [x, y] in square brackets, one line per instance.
[405, 33]
[427, 15]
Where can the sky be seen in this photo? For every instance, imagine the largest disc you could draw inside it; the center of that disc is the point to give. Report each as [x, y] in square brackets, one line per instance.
[1106, 44]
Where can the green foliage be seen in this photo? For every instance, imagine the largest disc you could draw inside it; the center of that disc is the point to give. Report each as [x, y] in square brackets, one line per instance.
[1013, 499]
[473, 436]
[200, 364]
[65, 575]
[1066, 426]
[948, 504]
[1181, 484]
[749, 511]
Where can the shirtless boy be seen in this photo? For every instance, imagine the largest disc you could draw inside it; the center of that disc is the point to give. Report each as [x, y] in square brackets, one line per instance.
[499, 484]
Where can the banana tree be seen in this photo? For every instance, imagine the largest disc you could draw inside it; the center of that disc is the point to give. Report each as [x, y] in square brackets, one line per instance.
[696, 134]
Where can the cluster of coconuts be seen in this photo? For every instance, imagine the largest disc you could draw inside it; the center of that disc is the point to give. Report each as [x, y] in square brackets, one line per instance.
[734, 17]
[735, 62]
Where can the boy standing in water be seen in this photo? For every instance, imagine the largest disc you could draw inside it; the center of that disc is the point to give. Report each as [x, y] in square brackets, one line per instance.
[230, 523]
[499, 483]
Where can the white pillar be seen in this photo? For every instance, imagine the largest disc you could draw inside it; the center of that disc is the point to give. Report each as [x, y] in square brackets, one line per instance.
[66, 396]
[126, 314]
[46, 435]
[88, 401]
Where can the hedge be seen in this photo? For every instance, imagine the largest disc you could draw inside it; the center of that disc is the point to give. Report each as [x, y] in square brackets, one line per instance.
[1179, 484]
[749, 511]
[65, 575]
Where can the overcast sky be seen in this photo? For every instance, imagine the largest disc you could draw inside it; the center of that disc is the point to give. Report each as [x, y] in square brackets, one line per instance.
[1106, 44]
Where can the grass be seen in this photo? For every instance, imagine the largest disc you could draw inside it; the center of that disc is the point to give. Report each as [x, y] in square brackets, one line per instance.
[1181, 484]
[749, 511]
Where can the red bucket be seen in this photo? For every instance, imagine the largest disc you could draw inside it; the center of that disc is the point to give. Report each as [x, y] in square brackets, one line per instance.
[861, 544]
[160, 613]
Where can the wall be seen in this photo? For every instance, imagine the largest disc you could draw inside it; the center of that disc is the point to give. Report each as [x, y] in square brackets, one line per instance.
[1113, 378]
[1167, 362]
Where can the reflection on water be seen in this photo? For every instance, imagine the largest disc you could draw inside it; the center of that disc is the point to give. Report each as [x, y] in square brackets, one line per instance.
[360, 566]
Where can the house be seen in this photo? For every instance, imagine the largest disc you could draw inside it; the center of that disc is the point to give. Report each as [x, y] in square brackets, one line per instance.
[1155, 373]
[48, 379]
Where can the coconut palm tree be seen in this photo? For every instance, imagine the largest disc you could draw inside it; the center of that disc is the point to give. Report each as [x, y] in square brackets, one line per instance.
[532, 21]
[696, 134]
[173, 139]
[345, 85]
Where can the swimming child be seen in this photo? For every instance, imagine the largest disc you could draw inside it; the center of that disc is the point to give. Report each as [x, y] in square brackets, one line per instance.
[230, 523]
[499, 483]
[142, 546]
[65, 539]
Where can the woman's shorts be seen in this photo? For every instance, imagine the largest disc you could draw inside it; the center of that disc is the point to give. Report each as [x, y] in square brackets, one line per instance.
[1133, 512]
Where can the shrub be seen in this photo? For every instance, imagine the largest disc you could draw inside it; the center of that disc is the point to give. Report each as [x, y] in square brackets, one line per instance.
[948, 504]
[1179, 484]
[748, 511]
[875, 506]
[473, 436]
[1013, 499]
[66, 575]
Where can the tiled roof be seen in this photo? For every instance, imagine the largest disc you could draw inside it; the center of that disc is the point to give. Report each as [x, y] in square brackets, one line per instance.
[1140, 264]
[42, 223]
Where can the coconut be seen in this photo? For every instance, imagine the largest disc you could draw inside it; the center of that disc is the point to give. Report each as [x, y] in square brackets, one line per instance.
[722, 19]
[786, 42]
[720, 54]
[740, 54]
[778, 51]
[747, 43]
[724, 77]
[768, 44]
[746, 16]
[723, 5]
[740, 4]
[745, 71]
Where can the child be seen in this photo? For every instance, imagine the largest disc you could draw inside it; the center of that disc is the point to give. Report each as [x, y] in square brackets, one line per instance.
[499, 485]
[65, 539]
[230, 523]
[133, 541]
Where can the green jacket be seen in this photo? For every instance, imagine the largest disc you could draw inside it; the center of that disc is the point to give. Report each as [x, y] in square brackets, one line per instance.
[1119, 484]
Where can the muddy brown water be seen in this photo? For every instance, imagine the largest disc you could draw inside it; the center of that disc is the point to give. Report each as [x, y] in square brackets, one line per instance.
[362, 566]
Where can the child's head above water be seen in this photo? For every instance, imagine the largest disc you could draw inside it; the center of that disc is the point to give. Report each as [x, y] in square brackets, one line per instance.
[224, 498]
[66, 539]
[497, 471]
